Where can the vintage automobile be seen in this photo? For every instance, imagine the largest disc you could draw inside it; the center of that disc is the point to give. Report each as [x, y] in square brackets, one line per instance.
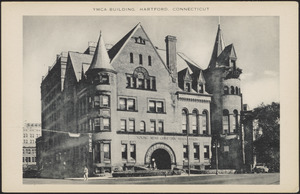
[261, 168]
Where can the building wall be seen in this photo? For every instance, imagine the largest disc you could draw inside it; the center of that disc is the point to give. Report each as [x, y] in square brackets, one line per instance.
[31, 131]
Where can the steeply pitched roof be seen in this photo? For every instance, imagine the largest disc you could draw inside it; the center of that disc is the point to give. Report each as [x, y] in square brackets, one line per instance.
[228, 52]
[100, 58]
[78, 60]
[218, 48]
[116, 48]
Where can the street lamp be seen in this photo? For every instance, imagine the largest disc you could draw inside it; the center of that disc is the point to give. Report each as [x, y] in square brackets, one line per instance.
[216, 145]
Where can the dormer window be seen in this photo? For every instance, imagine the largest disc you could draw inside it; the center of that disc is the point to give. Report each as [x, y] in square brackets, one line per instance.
[140, 40]
[233, 64]
[187, 87]
[201, 88]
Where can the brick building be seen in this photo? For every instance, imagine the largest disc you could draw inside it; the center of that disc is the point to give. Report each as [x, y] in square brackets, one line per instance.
[128, 104]
[31, 131]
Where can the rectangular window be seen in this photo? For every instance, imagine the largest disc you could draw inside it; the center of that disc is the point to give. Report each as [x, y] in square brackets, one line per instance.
[142, 126]
[132, 152]
[105, 101]
[185, 152]
[131, 126]
[141, 83]
[131, 104]
[106, 150]
[97, 124]
[122, 103]
[196, 152]
[97, 153]
[124, 151]
[206, 152]
[152, 126]
[156, 106]
[106, 124]
[160, 126]
[96, 101]
[151, 106]
[123, 124]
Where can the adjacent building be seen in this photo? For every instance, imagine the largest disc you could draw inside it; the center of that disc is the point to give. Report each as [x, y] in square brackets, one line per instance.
[31, 131]
[127, 105]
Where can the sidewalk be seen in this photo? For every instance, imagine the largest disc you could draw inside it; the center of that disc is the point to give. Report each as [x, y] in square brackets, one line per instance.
[170, 176]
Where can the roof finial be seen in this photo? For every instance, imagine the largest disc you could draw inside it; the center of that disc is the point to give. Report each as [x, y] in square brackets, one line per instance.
[219, 21]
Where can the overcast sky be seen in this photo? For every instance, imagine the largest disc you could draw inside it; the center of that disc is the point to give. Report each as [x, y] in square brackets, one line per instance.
[256, 41]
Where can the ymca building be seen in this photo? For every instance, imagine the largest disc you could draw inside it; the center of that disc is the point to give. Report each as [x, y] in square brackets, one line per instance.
[130, 103]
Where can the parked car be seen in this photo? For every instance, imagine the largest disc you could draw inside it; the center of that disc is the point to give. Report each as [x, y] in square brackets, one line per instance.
[261, 168]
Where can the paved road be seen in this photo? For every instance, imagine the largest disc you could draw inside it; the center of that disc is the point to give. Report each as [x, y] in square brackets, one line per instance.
[233, 179]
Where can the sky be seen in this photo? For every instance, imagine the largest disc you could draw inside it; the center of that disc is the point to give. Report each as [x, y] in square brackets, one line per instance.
[256, 42]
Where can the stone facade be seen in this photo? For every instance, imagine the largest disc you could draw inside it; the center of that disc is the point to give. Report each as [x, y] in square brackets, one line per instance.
[133, 104]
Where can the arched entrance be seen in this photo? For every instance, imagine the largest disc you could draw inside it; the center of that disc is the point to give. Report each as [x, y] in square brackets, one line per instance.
[163, 154]
[162, 159]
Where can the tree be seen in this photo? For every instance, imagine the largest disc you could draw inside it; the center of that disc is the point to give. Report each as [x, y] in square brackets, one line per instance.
[266, 146]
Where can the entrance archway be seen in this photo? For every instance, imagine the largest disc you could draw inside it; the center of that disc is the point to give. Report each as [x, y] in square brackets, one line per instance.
[162, 159]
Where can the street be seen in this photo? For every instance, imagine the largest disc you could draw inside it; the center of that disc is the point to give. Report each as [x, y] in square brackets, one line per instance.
[233, 179]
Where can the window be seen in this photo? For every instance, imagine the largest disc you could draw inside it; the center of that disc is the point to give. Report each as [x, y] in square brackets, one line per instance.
[106, 150]
[184, 121]
[105, 101]
[140, 59]
[96, 101]
[124, 151]
[196, 152]
[97, 124]
[131, 57]
[232, 90]
[104, 79]
[226, 90]
[131, 126]
[204, 122]
[187, 87]
[235, 121]
[106, 124]
[97, 153]
[142, 126]
[206, 152]
[127, 104]
[160, 126]
[156, 106]
[123, 124]
[149, 61]
[141, 84]
[153, 126]
[201, 88]
[185, 152]
[195, 122]
[225, 121]
[132, 152]
[32, 135]
[236, 90]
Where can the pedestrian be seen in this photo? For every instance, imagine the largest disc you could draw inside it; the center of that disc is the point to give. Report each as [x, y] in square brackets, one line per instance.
[86, 174]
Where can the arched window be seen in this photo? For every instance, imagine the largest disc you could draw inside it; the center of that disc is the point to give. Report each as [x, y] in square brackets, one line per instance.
[204, 124]
[235, 121]
[225, 121]
[195, 121]
[142, 126]
[149, 61]
[236, 90]
[184, 121]
[131, 57]
[226, 90]
[232, 90]
[140, 59]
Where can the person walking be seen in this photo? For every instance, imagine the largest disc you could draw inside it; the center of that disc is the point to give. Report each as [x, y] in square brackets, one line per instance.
[86, 174]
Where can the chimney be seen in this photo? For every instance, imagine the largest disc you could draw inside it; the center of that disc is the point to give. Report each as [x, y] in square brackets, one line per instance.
[171, 55]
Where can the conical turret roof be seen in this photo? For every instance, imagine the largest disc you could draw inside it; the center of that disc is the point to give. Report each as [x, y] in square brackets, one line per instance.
[100, 59]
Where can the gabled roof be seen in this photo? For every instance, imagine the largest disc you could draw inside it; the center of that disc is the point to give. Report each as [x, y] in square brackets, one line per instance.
[193, 67]
[117, 47]
[79, 61]
[228, 53]
[198, 76]
[218, 48]
[100, 58]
